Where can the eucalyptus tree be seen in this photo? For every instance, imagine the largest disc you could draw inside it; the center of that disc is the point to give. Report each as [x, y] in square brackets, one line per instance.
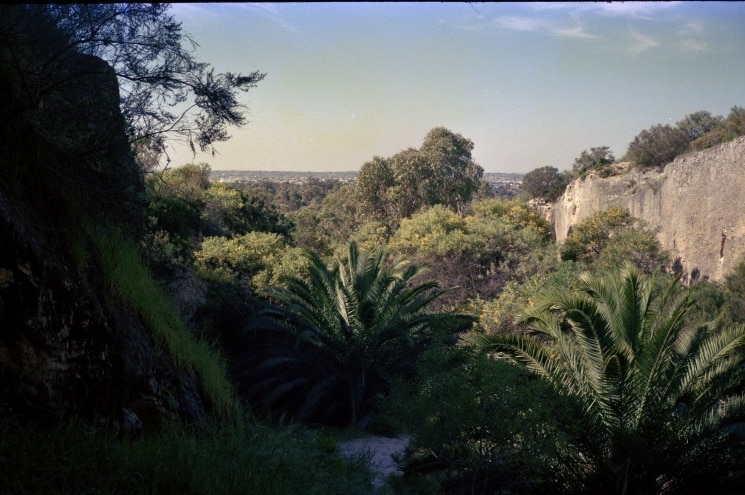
[441, 172]
[335, 339]
[660, 397]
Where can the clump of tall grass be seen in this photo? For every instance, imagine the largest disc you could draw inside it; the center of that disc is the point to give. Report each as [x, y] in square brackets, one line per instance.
[128, 278]
[236, 458]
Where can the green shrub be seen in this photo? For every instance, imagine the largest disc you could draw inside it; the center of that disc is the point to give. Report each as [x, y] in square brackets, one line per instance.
[256, 259]
[611, 236]
[478, 425]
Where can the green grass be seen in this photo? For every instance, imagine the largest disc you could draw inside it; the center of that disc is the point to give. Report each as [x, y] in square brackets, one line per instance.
[129, 280]
[240, 458]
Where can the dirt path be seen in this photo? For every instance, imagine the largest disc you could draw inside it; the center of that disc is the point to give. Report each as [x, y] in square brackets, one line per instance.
[381, 451]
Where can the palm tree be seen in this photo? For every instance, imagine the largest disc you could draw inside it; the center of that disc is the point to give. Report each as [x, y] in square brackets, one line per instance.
[661, 399]
[336, 340]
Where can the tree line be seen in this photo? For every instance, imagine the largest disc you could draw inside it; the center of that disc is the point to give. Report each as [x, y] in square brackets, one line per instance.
[651, 148]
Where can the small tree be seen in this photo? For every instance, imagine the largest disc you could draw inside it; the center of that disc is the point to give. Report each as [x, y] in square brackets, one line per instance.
[596, 159]
[545, 182]
[657, 146]
[730, 128]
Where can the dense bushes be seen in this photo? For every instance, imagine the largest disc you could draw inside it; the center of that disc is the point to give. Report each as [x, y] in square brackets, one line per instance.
[660, 393]
[660, 144]
[335, 339]
[611, 235]
[479, 426]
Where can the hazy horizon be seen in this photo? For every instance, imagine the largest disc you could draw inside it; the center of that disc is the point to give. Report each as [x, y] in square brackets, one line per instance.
[531, 84]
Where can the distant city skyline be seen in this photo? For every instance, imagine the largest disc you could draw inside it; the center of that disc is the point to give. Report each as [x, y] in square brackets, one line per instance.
[531, 84]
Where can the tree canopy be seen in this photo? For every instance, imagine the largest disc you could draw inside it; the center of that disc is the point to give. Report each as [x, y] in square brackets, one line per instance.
[441, 172]
[164, 89]
[657, 146]
[545, 182]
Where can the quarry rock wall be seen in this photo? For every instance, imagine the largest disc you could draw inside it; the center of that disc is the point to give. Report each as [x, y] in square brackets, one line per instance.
[696, 204]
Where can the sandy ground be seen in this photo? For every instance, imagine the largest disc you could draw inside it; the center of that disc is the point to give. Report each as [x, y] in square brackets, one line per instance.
[381, 452]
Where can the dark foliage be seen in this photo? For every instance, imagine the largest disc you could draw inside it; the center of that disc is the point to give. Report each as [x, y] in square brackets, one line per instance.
[597, 160]
[727, 130]
[657, 146]
[338, 340]
[157, 74]
[545, 182]
[64, 148]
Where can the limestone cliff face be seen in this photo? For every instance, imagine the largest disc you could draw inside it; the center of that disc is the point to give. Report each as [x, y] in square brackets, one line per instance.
[697, 205]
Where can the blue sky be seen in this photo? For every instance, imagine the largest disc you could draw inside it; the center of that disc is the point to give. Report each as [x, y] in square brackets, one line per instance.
[531, 84]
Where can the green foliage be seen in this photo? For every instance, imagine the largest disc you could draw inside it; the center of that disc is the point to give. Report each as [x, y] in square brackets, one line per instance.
[436, 231]
[230, 459]
[657, 146]
[230, 211]
[517, 214]
[185, 205]
[596, 160]
[660, 397]
[499, 315]
[453, 177]
[292, 196]
[545, 182]
[478, 426]
[638, 245]
[697, 124]
[337, 340]
[369, 236]
[256, 259]
[727, 130]
[372, 185]
[475, 254]
[129, 280]
[612, 236]
[441, 172]
[321, 228]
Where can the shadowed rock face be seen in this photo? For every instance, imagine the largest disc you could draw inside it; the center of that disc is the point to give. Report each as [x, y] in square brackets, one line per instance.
[65, 347]
[697, 205]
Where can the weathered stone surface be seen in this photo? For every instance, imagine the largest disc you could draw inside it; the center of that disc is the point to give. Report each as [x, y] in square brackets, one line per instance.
[66, 347]
[65, 350]
[697, 205]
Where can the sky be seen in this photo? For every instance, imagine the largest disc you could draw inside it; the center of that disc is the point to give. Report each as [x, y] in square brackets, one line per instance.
[531, 84]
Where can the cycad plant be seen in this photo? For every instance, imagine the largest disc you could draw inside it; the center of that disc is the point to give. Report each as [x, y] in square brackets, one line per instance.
[661, 398]
[333, 341]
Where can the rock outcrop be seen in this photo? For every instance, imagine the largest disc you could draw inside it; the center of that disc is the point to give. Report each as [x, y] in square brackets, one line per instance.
[67, 347]
[696, 204]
